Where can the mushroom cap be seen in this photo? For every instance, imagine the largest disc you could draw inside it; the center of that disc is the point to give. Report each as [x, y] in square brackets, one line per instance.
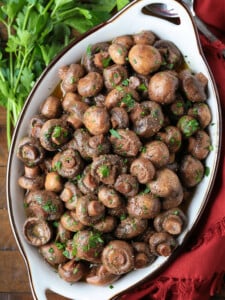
[99, 275]
[97, 120]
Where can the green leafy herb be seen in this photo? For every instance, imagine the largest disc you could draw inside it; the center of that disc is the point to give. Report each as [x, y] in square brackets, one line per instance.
[106, 61]
[146, 190]
[115, 133]
[57, 131]
[36, 32]
[207, 171]
[104, 170]
[142, 87]
[128, 100]
[57, 166]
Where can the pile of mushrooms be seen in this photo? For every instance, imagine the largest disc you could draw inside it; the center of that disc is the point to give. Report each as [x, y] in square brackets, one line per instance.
[111, 159]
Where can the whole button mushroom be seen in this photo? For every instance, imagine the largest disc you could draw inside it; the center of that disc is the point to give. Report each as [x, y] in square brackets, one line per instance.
[87, 183]
[162, 243]
[32, 179]
[35, 126]
[37, 231]
[119, 118]
[143, 206]
[130, 228]
[99, 275]
[144, 59]
[63, 235]
[144, 37]
[202, 113]
[53, 182]
[143, 169]
[163, 87]
[72, 271]
[90, 85]
[107, 224]
[70, 194]
[71, 76]
[109, 197]
[51, 107]
[188, 125]
[127, 185]
[118, 53]
[142, 255]
[114, 75]
[97, 120]
[199, 144]
[172, 137]
[118, 257]
[70, 222]
[125, 40]
[191, 171]
[53, 254]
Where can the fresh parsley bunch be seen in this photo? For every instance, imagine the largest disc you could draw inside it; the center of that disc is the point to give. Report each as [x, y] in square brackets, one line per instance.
[36, 31]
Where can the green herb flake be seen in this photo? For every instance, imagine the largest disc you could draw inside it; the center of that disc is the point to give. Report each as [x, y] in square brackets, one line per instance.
[60, 246]
[88, 51]
[51, 250]
[115, 133]
[123, 217]
[146, 190]
[128, 101]
[142, 87]
[143, 149]
[125, 82]
[66, 253]
[57, 166]
[104, 170]
[57, 131]
[207, 171]
[49, 207]
[111, 286]
[106, 62]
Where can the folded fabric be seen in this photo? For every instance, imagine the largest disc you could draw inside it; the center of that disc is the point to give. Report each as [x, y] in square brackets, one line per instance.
[199, 270]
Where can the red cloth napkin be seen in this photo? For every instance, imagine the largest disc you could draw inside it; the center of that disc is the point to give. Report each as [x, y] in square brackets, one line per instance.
[199, 270]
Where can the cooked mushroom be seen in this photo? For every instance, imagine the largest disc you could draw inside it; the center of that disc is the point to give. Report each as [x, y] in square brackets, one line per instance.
[88, 245]
[118, 53]
[97, 120]
[51, 108]
[199, 144]
[37, 231]
[30, 152]
[71, 77]
[63, 235]
[119, 118]
[143, 206]
[125, 142]
[70, 194]
[163, 86]
[162, 243]
[147, 118]
[178, 107]
[191, 171]
[54, 133]
[188, 125]
[130, 227]
[43, 204]
[90, 85]
[171, 221]
[157, 152]
[124, 97]
[171, 54]
[194, 86]
[53, 182]
[99, 275]
[70, 221]
[35, 126]
[72, 271]
[144, 59]
[106, 168]
[107, 224]
[142, 255]
[118, 257]
[87, 183]
[114, 75]
[171, 136]
[109, 197]
[202, 113]
[143, 169]
[89, 209]
[144, 37]
[32, 179]
[52, 254]
[125, 40]
[127, 185]
[69, 163]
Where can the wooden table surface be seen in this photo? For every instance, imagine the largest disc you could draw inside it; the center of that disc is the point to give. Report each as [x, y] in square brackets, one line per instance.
[14, 283]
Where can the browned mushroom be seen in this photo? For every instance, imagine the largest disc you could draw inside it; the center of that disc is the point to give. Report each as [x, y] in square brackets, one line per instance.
[194, 86]
[43, 204]
[72, 271]
[118, 53]
[90, 85]
[130, 227]
[119, 118]
[99, 275]
[88, 245]
[125, 40]
[171, 136]
[51, 108]
[32, 179]
[188, 125]
[178, 107]
[125, 142]
[87, 183]
[54, 133]
[30, 152]
[35, 126]
[107, 224]
[118, 257]
[53, 182]
[127, 185]
[171, 221]
[37, 231]
[162, 243]
[109, 197]
[157, 152]
[202, 113]
[89, 210]
[163, 86]
[71, 77]
[144, 37]
[168, 186]
[144, 206]
[69, 163]
[63, 235]
[199, 144]
[143, 169]
[142, 255]
[70, 194]
[114, 75]
[144, 59]
[97, 120]
[191, 171]
[70, 221]
[53, 254]
[106, 168]
[147, 118]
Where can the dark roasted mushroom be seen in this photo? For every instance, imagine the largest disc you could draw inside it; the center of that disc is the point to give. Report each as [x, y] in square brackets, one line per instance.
[191, 171]
[119, 118]
[127, 185]
[51, 108]
[37, 231]
[97, 120]
[118, 257]
[202, 113]
[125, 40]
[107, 224]
[35, 126]
[52, 254]
[63, 235]
[118, 53]
[30, 152]
[114, 75]
[90, 85]
[32, 179]
[143, 206]
[99, 275]
[70, 194]
[144, 37]
[71, 77]
[87, 183]
[53, 182]
[143, 169]
[142, 255]
[72, 271]
[199, 144]
[130, 227]
[109, 197]
[162, 243]
[171, 136]
[188, 125]
[171, 221]
[70, 221]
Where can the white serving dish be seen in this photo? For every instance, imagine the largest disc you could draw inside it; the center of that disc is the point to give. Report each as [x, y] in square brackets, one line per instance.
[130, 20]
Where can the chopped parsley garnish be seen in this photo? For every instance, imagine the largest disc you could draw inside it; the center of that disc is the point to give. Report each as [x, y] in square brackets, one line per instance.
[106, 61]
[128, 100]
[115, 133]
[125, 82]
[142, 87]
[207, 171]
[104, 170]
[88, 50]
[57, 131]
[49, 206]
[57, 166]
